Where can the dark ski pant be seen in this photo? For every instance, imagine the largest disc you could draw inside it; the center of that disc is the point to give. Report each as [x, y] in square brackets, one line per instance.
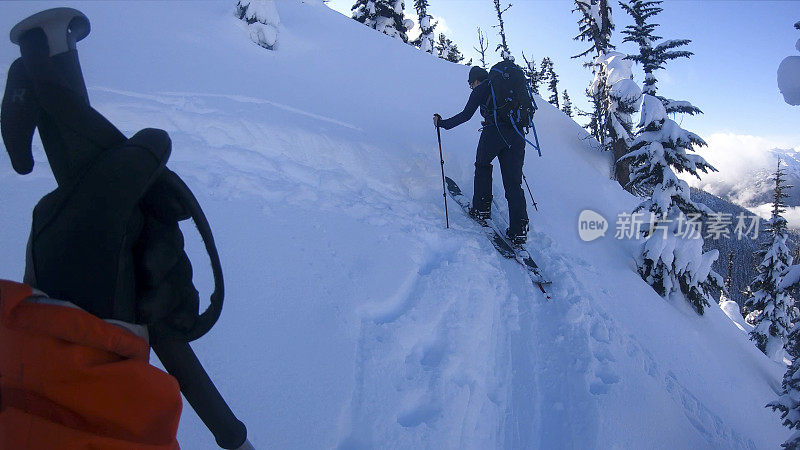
[511, 156]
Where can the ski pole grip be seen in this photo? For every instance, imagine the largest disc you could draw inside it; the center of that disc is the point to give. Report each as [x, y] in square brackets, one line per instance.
[181, 362]
[64, 27]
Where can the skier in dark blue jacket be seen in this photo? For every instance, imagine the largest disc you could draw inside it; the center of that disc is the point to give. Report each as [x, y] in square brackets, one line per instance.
[497, 140]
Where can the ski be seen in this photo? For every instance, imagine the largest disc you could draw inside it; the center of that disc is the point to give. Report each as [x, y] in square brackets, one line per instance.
[499, 225]
[499, 241]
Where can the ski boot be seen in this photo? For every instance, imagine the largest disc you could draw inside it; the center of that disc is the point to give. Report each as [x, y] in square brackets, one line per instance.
[480, 216]
[518, 236]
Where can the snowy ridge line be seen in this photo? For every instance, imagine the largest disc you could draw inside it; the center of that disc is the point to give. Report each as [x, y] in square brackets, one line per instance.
[237, 98]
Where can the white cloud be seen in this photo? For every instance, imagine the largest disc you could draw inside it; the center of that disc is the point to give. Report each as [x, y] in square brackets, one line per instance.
[792, 214]
[441, 25]
[736, 157]
[745, 165]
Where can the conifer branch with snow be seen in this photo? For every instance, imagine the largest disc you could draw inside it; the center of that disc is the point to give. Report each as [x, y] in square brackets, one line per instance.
[262, 21]
[671, 259]
[427, 37]
[448, 50]
[385, 16]
[595, 26]
[788, 403]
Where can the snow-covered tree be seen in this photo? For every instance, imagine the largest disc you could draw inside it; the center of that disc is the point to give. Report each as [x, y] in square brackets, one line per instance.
[534, 76]
[427, 37]
[386, 16]
[483, 45]
[566, 105]
[654, 56]
[613, 85]
[671, 258]
[446, 49]
[788, 403]
[505, 52]
[770, 302]
[262, 21]
[595, 26]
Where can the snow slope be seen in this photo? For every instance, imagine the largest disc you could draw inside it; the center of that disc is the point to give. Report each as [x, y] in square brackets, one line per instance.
[354, 319]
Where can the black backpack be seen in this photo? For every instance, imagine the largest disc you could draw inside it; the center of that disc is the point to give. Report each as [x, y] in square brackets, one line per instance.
[510, 101]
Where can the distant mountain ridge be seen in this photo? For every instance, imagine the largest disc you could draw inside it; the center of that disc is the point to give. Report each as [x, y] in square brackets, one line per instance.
[754, 187]
[744, 263]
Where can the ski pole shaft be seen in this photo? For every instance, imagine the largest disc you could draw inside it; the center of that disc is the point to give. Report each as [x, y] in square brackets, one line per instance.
[181, 362]
[444, 190]
[529, 192]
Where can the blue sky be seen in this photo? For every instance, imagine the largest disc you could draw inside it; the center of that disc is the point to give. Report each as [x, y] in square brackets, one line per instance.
[732, 76]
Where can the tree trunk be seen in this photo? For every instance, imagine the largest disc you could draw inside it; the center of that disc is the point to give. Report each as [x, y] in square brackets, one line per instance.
[622, 171]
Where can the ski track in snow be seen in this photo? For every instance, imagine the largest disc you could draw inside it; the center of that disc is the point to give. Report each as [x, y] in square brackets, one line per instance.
[439, 381]
[580, 326]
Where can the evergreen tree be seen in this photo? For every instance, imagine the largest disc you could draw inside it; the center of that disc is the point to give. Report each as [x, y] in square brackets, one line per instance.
[552, 83]
[505, 52]
[533, 75]
[386, 16]
[788, 403]
[724, 295]
[447, 50]
[770, 301]
[729, 278]
[595, 119]
[671, 258]
[613, 85]
[566, 105]
[653, 58]
[595, 26]
[427, 37]
[544, 71]
[483, 45]
[262, 21]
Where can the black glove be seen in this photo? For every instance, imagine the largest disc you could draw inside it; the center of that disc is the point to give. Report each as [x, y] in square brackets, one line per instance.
[107, 239]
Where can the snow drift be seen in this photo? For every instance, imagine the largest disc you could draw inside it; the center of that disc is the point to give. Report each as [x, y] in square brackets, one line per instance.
[354, 319]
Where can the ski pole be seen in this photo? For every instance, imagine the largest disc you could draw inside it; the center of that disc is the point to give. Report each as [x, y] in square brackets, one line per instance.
[89, 135]
[529, 191]
[444, 191]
